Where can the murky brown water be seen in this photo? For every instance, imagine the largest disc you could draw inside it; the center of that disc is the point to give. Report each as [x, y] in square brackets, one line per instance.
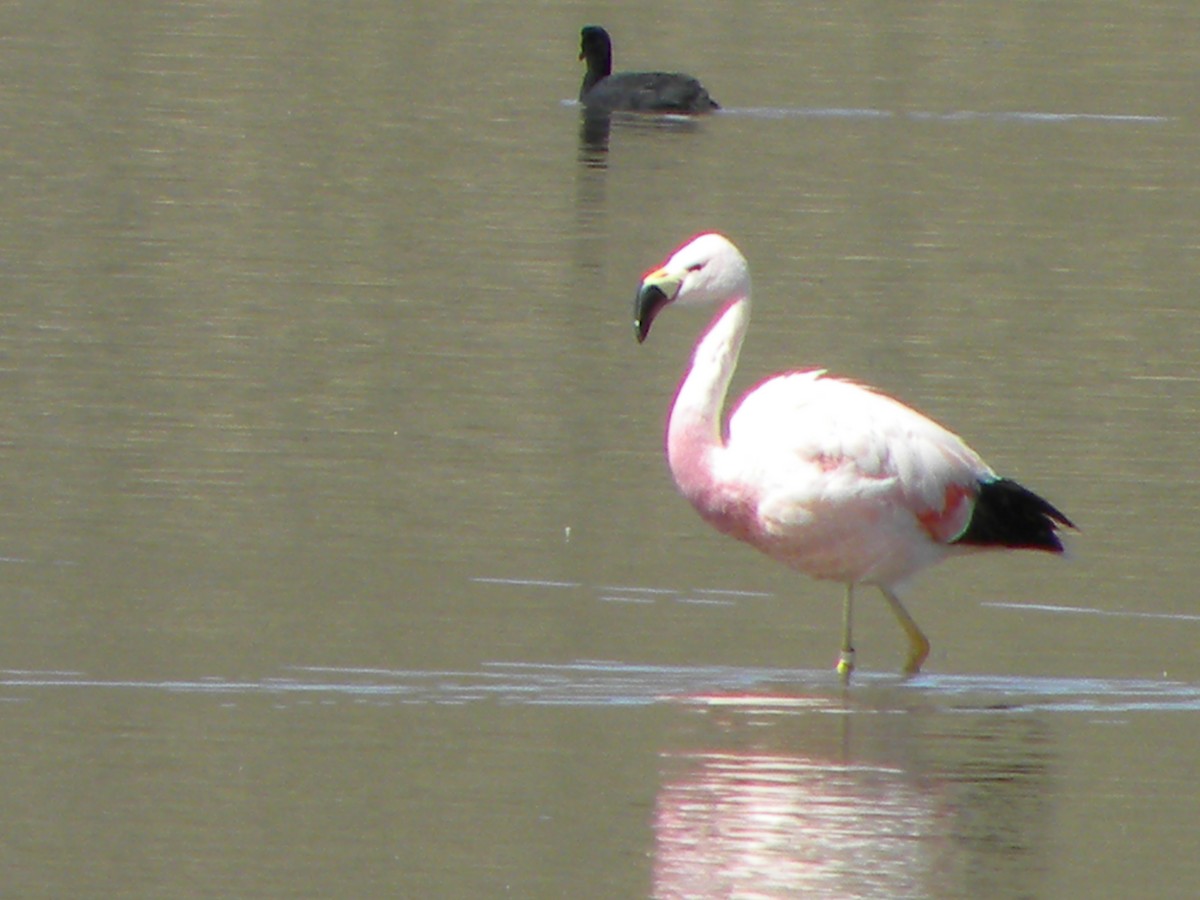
[339, 555]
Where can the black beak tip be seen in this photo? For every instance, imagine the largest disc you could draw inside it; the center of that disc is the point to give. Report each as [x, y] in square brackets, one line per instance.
[649, 301]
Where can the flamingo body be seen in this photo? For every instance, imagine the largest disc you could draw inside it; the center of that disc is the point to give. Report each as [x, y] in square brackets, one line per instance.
[850, 485]
[830, 477]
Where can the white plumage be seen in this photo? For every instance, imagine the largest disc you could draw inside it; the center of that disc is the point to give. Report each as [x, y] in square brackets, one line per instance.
[830, 477]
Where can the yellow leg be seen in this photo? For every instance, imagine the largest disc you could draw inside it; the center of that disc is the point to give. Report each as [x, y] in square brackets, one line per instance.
[846, 658]
[918, 644]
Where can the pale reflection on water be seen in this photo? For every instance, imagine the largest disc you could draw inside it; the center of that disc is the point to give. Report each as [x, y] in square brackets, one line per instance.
[953, 811]
[753, 825]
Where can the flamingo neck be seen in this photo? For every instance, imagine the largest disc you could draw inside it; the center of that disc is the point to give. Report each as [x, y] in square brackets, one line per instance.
[695, 433]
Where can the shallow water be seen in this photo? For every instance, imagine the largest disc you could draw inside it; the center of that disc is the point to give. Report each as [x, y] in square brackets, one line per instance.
[340, 557]
[609, 683]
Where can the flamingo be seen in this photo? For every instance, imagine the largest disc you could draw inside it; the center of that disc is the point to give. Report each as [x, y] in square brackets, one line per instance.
[827, 476]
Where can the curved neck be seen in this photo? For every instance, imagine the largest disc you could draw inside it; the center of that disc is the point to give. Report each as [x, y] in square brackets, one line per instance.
[599, 67]
[695, 429]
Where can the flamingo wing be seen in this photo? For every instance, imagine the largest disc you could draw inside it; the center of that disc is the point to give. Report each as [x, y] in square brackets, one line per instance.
[850, 483]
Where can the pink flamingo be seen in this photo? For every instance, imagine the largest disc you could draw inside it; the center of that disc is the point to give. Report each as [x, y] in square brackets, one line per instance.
[827, 476]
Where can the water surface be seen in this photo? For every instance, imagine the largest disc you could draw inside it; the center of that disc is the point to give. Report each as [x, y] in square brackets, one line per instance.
[339, 555]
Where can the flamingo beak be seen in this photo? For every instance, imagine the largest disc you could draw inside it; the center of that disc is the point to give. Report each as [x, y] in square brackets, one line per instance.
[657, 290]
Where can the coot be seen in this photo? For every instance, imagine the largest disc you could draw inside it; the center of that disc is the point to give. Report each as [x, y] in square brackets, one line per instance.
[653, 92]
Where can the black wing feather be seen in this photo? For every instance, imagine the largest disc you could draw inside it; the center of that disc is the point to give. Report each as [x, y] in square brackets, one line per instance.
[1009, 515]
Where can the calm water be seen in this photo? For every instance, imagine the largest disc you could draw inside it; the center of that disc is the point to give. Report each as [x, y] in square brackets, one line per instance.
[338, 554]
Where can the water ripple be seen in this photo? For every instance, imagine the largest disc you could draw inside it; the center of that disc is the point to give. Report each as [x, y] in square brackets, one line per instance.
[959, 115]
[610, 683]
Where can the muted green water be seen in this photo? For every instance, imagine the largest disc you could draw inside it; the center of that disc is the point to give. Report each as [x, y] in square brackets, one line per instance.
[339, 554]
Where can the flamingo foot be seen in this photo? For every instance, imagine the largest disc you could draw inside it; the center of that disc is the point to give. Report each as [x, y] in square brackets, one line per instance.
[845, 664]
[918, 644]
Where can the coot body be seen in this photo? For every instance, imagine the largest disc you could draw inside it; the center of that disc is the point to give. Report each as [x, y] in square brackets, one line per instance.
[649, 92]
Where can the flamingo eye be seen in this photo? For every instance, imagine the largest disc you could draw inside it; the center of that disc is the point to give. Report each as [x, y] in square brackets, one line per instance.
[695, 267]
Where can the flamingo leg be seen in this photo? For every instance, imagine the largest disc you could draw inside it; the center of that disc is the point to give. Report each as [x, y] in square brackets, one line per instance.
[918, 644]
[845, 663]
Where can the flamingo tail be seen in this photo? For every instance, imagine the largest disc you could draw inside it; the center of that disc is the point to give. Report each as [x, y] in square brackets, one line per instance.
[1009, 515]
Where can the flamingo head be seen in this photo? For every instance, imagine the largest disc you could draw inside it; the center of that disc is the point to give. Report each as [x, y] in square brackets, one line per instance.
[707, 270]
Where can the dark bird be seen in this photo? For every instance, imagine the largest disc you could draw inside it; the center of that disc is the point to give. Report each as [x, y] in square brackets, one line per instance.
[649, 92]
